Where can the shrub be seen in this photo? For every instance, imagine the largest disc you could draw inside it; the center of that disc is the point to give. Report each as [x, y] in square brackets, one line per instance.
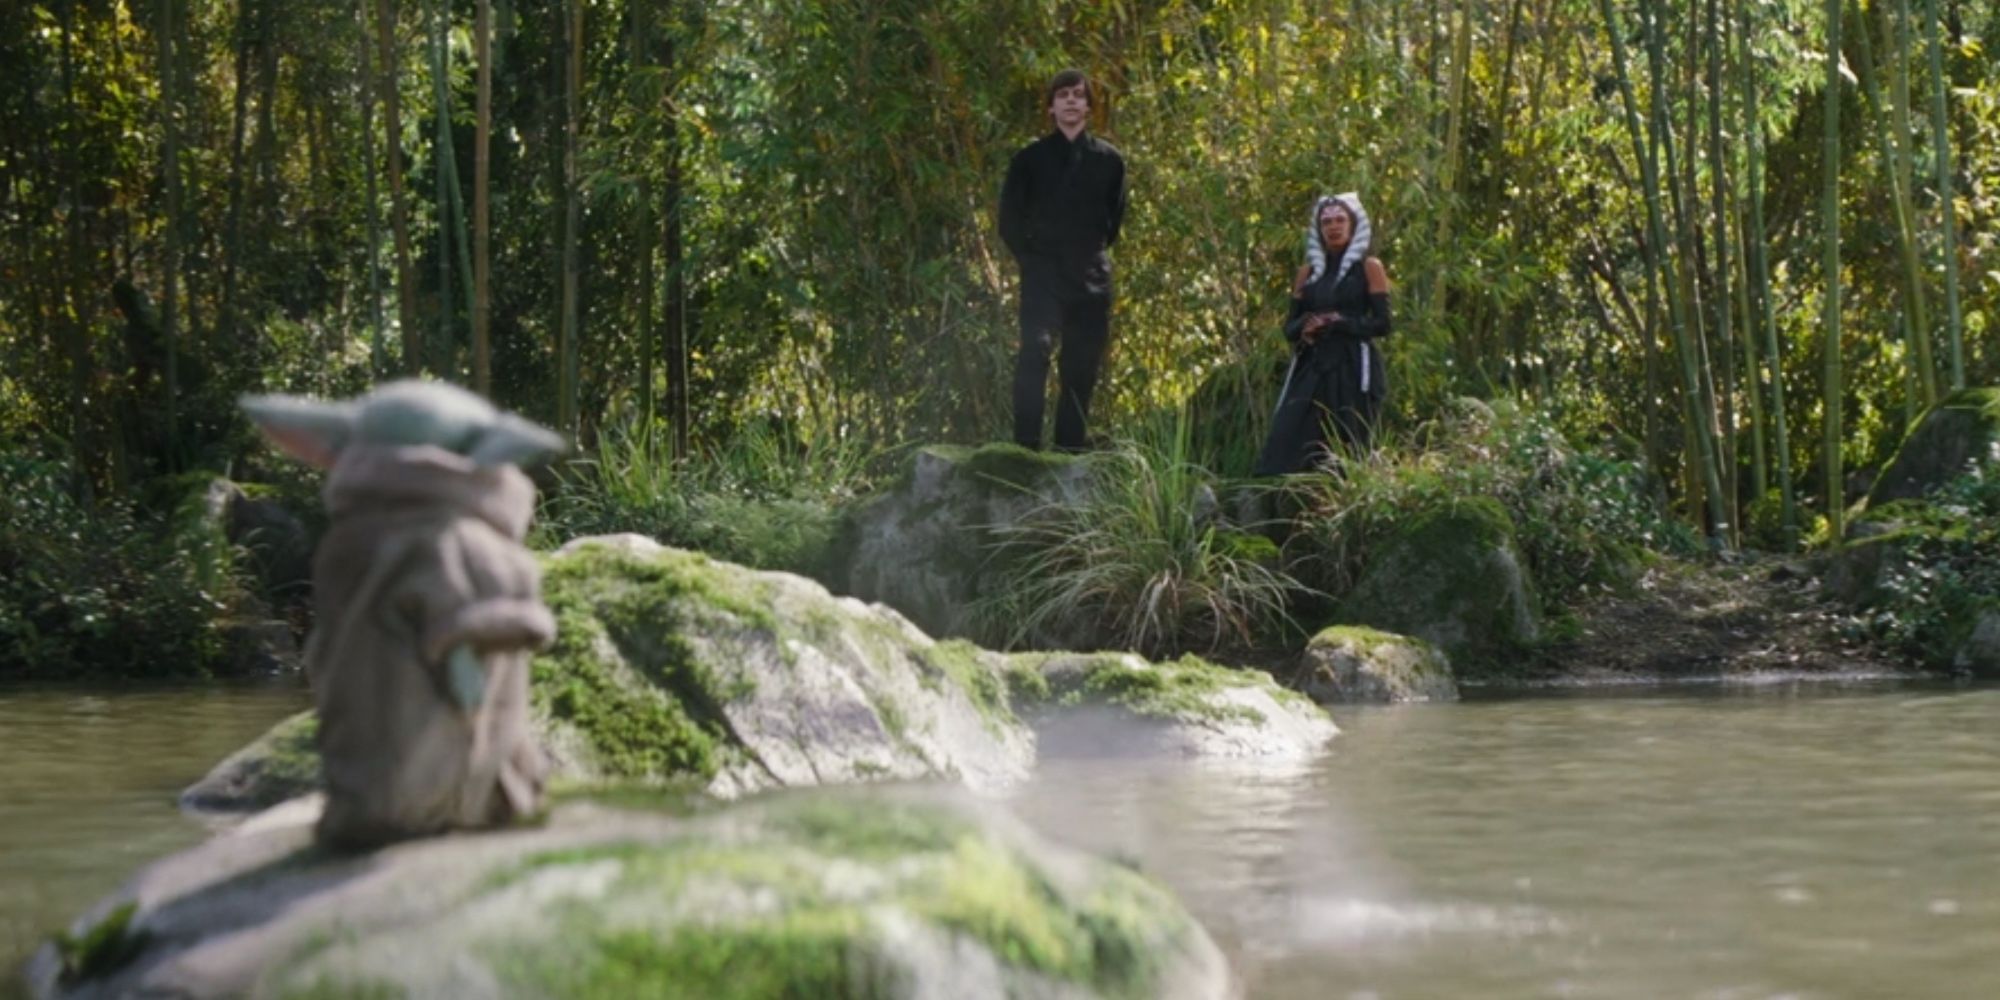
[1580, 518]
[763, 498]
[108, 589]
[1143, 562]
[1948, 566]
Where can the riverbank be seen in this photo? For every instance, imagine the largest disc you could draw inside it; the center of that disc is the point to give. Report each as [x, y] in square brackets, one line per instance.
[1697, 622]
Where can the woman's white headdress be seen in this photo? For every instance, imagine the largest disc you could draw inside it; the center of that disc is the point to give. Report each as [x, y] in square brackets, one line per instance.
[1357, 243]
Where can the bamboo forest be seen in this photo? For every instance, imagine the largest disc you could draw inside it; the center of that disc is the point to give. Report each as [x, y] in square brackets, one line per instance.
[747, 250]
[556, 498]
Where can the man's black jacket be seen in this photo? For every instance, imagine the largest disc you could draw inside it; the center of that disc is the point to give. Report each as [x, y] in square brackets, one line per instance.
[1060, 208]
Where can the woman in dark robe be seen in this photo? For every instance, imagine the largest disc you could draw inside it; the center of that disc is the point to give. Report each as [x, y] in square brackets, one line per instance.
[1340, 309]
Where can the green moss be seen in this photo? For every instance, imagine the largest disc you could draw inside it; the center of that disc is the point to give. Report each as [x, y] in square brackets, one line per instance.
[815, 872]
[1104, 940]
[1025, 680]
[102, 948]
[960, 661]
[641, 606]
[281, 764]
[1361, 637]
[800, 955]
[1014, 465]
[989, 897]
[1962, 428]
[1438, 579]
[341, 988]
[1183, 689]
[883, 830]
[1247, 547]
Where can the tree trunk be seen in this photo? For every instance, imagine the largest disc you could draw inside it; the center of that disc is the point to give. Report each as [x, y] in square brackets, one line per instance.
[1941, 146]
[482, 303]
[1836, 493]
[1447, 177]
[76, 323]
[399, 215]
[1760, 459]
[675, 259]
[170, 165]
[1760, 287]
[1919, 372]
[232, 238]
[1719, 181]
[1699, 429]
[566, 415]
[1905, 171]
[377, 349]
[441, 350]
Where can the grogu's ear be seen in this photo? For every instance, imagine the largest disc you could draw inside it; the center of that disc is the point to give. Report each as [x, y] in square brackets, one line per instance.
[306, 429]
[511, 440]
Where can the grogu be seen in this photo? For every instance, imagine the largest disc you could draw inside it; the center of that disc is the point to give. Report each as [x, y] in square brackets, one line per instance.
[427, 608]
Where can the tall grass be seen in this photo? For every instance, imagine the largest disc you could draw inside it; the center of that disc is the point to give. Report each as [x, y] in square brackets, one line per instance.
[1145, 561]
[761, 497]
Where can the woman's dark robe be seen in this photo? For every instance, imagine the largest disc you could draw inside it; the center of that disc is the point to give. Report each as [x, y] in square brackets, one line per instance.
[1338, 379]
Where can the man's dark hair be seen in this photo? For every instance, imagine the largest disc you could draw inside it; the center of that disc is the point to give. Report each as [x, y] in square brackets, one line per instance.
[1070, 78]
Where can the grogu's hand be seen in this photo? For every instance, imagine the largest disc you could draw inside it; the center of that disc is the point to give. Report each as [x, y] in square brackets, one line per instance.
[467, 676]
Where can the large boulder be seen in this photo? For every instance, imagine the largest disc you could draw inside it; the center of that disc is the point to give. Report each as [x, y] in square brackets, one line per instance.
[890, 893]
[928, 546]
[1962, 429]
[1454, 578]
[670, 667]
[1858, 572]
[1349, 663]
[274, 541]
[1118, 704]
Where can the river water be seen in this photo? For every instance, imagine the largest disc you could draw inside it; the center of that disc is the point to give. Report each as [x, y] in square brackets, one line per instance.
[1768, 841]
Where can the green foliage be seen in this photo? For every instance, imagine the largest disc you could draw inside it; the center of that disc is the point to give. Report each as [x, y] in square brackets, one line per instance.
[763, 498]
[111, 589]
[1947, 568]
[1579, 517]
[108, 944]
[1144, 561]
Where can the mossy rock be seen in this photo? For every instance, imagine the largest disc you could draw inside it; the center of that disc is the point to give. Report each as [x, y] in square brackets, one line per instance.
[1118, 704]
[929, 547]
[282, 763]
[1454, 578]
[670, 667]
[858, 894]
[1962, 429]
[1348, 663]
[1975, 638]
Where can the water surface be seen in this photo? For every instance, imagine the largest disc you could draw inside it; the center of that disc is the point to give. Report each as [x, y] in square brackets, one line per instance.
[1800, 841]
[1756, 842]
[88, 780]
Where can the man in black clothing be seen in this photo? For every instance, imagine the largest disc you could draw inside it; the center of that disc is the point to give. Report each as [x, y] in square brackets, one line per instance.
[1060, 210]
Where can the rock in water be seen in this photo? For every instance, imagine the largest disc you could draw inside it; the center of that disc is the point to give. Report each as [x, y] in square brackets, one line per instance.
[861, 894]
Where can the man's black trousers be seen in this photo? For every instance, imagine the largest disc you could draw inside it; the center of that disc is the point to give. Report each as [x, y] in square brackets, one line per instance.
[1083, 321]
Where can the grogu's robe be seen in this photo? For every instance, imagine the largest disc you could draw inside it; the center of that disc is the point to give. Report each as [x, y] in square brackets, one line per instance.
[424, 554]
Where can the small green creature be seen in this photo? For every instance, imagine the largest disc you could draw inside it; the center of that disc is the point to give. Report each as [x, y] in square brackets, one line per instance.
[427, 607]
